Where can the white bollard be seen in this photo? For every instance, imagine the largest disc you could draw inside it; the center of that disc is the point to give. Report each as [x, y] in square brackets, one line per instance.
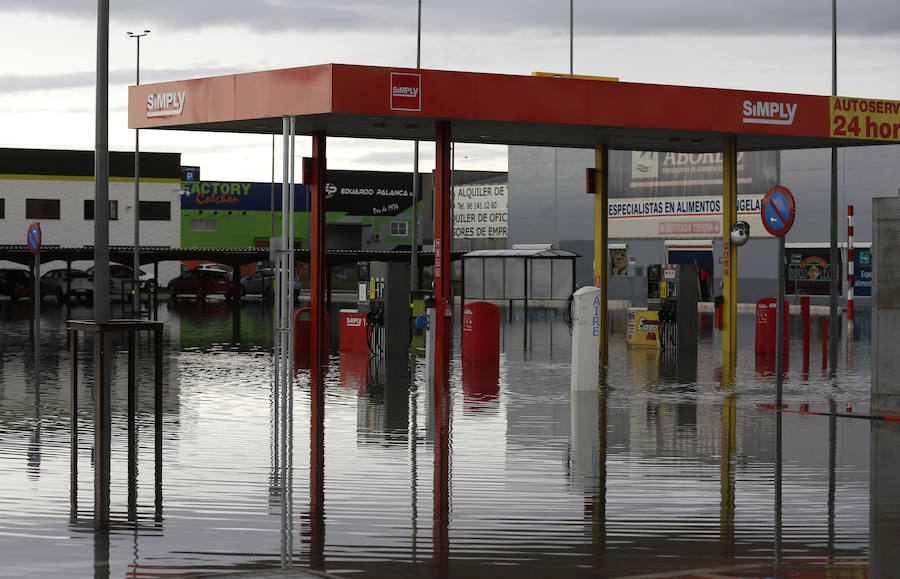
[586, 338]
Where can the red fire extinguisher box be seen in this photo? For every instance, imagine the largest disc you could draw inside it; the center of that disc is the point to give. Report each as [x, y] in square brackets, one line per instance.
[766, 325]
[481, 332]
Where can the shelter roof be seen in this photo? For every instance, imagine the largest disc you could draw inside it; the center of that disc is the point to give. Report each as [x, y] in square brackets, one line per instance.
[402, 103]
[533, 253]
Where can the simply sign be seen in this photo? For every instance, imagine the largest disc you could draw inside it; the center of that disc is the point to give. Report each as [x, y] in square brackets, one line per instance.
[778, 211]
[166, 104]
[769, 112]
[34, 237]
[406, 91]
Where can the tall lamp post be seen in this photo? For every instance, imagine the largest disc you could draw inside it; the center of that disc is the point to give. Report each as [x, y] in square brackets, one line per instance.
[136, 292]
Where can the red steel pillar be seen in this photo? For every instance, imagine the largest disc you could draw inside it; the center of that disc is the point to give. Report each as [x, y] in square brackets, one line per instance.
[442, 295]
[317, 253]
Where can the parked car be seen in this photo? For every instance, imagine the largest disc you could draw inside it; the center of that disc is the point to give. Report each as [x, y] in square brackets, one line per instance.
[262, 282]
[200, 283]
[17, 283]
[120, 277]
[215, 267]
[68, 283]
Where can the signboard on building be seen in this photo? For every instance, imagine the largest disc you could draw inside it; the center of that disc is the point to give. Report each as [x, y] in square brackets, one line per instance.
[361, 193]
[658, 174]
[678, 216]
[229, 196]
[480, 211]
[679, 195]
[808, 270]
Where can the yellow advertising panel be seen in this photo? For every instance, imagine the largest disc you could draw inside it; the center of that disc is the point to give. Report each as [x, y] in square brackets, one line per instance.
[643, 327]
[870, 119]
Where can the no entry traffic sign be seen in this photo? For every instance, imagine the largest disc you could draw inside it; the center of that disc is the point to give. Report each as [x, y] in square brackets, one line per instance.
[34, 237]
[777, 211]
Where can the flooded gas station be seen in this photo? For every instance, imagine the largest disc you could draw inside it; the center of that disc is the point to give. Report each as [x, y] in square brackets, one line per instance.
[209, 447]
[653, 474]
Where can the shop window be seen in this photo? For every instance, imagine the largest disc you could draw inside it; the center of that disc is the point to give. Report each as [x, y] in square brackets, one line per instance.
[42, 208]
[155, 211]
[89, 209]
[204, 225]
[399, 228]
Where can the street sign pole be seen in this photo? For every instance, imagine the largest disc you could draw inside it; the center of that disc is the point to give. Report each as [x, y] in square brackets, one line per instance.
[779, 326]
[33, 239]
[777, 212]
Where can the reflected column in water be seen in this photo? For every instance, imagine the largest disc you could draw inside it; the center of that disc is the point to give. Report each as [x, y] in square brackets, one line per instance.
[441, 486]
[778, 474]
[588, 459]
[884, 492]
[317, 473]
[726, 475]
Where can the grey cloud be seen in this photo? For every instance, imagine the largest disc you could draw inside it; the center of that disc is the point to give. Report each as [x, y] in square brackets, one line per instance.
[707, 17]
[385, 158]
[20, 83]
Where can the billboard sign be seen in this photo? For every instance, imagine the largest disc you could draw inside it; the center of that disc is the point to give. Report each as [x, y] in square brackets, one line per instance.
[480, 211]
[362, 193]
[808, 270]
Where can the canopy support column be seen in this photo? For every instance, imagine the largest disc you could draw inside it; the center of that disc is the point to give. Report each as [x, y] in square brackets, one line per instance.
[601, 244]
[442, 294]
[317, 253]
[729, 253]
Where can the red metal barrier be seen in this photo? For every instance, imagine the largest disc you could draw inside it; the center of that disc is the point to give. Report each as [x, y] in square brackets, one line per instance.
[481, 332]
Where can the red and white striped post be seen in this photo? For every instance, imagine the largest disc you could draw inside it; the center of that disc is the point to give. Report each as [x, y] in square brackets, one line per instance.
[850, 280]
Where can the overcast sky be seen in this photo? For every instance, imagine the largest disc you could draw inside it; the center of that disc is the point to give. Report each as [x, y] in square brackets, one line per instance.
[49, 55]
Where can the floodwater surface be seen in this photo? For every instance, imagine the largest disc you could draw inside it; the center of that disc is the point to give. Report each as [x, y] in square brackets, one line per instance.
[663, 472]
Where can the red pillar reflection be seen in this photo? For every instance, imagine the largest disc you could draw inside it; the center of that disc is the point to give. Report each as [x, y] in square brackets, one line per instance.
[317, 279]
[441, 517]
[442, 295]
[317, 474]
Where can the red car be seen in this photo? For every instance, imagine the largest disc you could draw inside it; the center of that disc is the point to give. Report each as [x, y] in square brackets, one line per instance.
[201, 283]
[17, 283]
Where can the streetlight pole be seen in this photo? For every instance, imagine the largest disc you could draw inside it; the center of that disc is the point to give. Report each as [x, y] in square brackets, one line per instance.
[834, 256]
[136, 290]
[414, 234]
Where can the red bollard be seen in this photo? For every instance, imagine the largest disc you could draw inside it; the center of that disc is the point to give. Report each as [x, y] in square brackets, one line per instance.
[766, 327]
[804, 313]
[481, 332]
[720, 304]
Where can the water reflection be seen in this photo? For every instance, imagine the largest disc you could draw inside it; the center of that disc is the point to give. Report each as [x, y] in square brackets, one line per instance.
[490, 471]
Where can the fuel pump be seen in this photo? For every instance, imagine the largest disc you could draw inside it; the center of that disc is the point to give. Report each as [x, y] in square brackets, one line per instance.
[384, 298]
[673, 291]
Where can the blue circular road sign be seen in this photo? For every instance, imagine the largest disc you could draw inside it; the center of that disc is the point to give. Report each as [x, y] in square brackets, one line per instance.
[34, 237]
[777, 211]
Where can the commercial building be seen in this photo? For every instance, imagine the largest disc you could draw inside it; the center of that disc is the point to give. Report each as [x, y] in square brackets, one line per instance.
[56, 189]
[666, 208]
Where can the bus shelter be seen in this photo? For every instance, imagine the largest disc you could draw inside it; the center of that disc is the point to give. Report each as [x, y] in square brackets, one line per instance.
[444, 106]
